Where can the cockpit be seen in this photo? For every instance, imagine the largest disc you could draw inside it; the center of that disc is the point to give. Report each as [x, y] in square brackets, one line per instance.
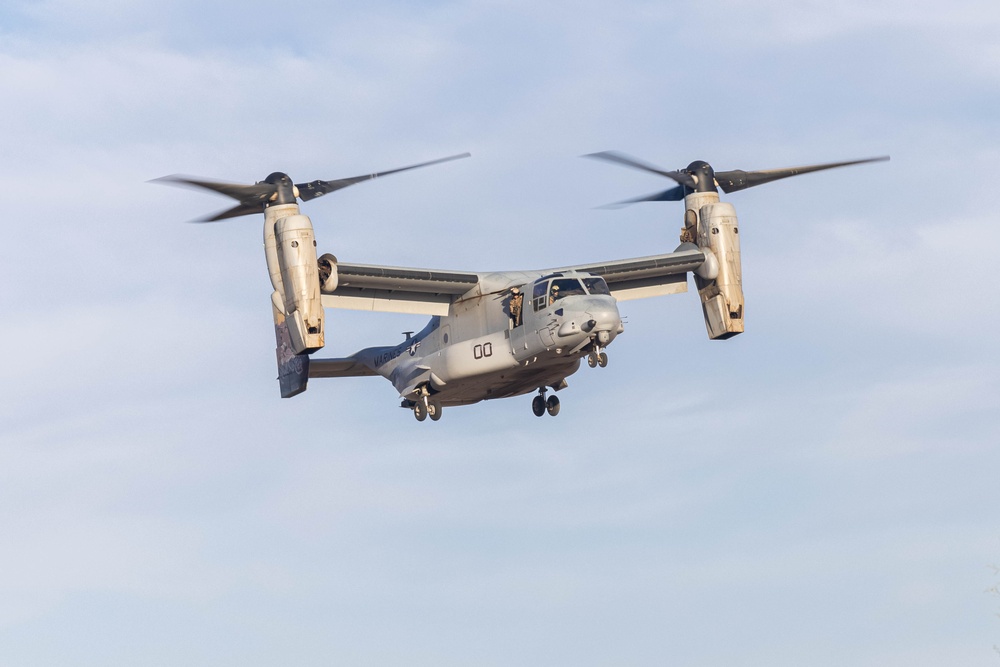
[550, 289]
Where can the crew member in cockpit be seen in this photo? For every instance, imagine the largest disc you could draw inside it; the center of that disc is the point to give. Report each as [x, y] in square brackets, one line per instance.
[553, 293]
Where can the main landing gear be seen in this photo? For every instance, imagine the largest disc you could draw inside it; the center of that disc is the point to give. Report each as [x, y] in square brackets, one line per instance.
[539, 404]
[427, 406]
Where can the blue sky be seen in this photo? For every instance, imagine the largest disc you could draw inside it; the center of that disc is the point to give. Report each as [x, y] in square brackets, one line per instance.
[820, 490]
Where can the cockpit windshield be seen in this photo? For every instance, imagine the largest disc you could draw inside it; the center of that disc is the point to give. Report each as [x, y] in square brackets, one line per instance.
[559, 288]
[596, 286]
[563, 287]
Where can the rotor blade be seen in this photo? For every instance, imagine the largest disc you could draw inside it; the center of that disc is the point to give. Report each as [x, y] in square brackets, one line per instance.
[308, 191]
[234, 212]
[245, 194]
[629, 161]
[675, 193]
[737, 179]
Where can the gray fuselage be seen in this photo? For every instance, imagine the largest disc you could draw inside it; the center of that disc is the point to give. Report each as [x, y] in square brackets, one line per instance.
[483, 350]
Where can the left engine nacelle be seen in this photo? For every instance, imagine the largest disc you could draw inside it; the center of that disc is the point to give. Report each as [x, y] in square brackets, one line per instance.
[295, 252]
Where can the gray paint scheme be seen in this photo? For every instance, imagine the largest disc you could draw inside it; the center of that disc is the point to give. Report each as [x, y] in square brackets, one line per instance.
[476, 352]
[492, 335]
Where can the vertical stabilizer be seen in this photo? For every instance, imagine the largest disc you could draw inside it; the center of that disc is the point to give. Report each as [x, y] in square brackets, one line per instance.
[293, 369]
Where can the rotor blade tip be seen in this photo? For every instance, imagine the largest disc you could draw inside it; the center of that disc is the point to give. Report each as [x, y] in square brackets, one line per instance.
[172, 178]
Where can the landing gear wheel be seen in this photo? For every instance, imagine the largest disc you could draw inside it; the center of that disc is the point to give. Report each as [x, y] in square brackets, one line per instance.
[552, 406]
[603, 359]
[592, 360]
[538, 405]
[434, 409]
[420, 410]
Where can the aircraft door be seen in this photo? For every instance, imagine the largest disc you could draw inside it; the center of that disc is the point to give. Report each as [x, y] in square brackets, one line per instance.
[519, 341]
[526, 340]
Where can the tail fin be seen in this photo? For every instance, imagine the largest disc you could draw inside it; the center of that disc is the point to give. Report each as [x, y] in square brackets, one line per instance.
[293, 369]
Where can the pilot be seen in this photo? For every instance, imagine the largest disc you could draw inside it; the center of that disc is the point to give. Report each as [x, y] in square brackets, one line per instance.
[516, 303]
[553, 294]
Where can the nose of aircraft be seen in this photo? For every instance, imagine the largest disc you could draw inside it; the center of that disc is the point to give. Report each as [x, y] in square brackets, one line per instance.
[603, 313]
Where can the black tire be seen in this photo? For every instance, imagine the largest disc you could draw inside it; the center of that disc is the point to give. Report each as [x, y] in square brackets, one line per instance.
[434, 409]
[552, 405]
[420, 410]
[538, 406]
[603, 359]
[592, 360]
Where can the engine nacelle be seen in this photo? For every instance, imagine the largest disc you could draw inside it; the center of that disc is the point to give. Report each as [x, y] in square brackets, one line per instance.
[721, 293]
[290, 249]
[300, 278]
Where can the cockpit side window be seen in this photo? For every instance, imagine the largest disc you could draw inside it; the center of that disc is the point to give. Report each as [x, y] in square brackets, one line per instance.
[596, 286]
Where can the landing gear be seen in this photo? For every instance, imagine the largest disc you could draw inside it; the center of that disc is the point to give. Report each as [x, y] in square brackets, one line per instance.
[426, 406]
[539, 404]
[597, 358]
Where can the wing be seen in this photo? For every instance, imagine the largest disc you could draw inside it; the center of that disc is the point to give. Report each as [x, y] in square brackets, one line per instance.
[642, 277]
[391, 289]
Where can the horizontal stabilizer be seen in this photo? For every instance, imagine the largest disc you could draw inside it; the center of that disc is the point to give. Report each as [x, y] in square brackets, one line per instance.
[338, 368]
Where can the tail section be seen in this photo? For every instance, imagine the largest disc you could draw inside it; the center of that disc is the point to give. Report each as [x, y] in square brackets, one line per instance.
[290, 249]
[293, 369]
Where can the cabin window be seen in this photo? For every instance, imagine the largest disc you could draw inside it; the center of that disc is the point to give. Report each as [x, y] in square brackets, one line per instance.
[538, 294]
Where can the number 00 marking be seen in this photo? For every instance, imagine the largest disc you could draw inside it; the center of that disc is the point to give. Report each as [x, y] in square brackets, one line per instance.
[484, 350]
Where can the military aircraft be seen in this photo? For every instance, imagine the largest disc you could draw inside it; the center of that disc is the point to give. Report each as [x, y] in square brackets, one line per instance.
[491, 334]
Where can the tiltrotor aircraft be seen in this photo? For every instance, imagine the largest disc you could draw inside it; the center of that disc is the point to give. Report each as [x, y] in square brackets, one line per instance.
[492, 335]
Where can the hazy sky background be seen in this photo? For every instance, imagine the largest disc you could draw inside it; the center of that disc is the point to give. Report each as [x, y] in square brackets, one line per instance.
[821, 490]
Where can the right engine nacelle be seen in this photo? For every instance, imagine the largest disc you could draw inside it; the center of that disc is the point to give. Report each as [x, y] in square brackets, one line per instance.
[721, 295]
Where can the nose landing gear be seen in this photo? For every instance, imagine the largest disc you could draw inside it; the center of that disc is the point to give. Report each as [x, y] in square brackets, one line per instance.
[597, 357]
